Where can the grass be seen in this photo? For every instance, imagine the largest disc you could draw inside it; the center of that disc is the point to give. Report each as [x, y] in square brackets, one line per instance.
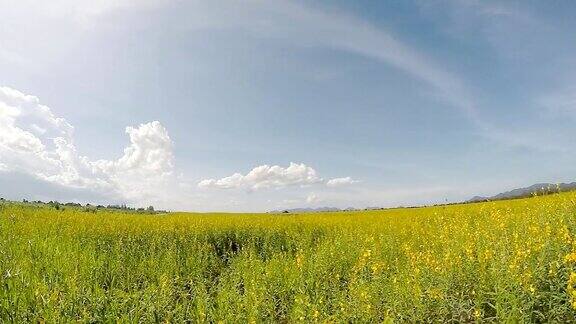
[496, 261]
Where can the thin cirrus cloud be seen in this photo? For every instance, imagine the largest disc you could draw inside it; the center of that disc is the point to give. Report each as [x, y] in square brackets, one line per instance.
[34, 141]
[266, 176]
[81, 11]
[306, 26]
[293, 22]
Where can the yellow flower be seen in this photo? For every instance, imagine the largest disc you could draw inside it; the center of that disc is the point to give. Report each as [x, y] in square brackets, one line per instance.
[570, 257]
[477, 313]
[572, 278]
[299, 260]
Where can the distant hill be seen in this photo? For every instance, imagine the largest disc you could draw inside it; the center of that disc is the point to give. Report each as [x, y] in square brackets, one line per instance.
[307, 210]
[537, 189]
[322, 209]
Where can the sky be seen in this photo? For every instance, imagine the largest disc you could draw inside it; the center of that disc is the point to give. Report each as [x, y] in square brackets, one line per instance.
[266, 105]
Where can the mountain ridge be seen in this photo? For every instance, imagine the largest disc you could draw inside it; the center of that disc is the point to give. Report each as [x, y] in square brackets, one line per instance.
[535, 189]
[524, 192]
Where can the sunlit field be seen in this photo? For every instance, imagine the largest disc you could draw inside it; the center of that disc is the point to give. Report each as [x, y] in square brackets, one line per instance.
[495, 261]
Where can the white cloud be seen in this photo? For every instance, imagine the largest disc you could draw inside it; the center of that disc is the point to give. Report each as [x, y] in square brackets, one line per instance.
[37, 129]
[337, 182]
[36, 142]
[150, 149]
[141, 173]
[17, 107]
[312, 198]
[266, 176]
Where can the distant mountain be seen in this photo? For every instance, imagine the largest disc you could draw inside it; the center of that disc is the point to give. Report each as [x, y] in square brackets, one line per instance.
[537, 189]
[321, 210]
[307, 210]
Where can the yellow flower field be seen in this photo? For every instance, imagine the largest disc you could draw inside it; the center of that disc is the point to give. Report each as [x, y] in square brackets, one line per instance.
[497, 261]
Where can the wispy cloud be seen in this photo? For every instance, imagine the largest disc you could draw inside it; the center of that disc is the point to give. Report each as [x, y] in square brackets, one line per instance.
[301, 25]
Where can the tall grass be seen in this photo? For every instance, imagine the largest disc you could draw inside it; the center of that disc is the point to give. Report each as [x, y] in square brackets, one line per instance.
[497, 261]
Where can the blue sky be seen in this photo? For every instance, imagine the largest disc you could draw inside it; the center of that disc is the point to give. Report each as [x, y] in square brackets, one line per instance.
[402, 102]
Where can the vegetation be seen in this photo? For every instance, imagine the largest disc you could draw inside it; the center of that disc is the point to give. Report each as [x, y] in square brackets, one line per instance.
[495, 261]
[88, 207]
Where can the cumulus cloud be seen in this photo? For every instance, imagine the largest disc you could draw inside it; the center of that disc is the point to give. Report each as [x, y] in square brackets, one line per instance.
[17, 107]
[34, 141]
[266, 176]
[337, 182]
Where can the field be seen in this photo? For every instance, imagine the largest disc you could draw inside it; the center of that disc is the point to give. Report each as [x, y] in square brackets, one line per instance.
[496, 261]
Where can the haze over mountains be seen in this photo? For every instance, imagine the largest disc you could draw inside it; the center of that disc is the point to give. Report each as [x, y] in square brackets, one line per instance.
[536, 189]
